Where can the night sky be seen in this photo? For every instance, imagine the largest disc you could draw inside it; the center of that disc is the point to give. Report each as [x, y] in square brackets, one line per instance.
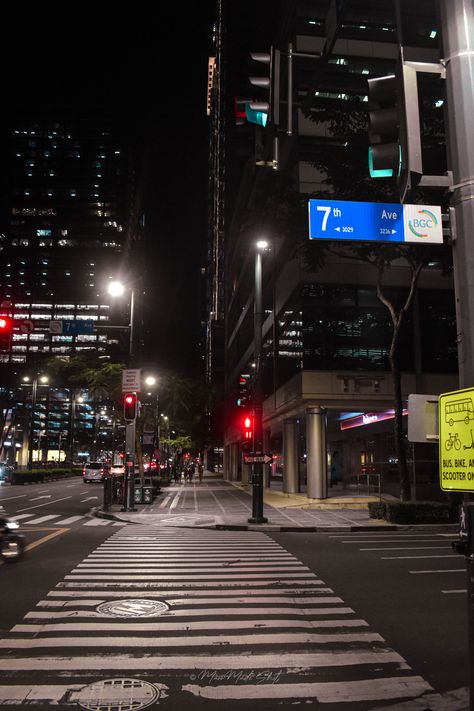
[148, 63]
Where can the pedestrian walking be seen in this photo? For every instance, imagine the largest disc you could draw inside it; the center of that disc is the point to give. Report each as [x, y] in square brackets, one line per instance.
[200, 471]
[190, 472]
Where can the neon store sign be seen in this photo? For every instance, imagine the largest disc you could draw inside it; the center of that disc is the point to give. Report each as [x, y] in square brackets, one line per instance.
[368, 418]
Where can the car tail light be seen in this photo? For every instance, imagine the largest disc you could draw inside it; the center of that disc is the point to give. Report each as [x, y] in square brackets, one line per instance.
[83, 471]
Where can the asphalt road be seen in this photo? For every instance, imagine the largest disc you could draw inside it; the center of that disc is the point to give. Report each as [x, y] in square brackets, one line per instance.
[138, 616]
[409, 585]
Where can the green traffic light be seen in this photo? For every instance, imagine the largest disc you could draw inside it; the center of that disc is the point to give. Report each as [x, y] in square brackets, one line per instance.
[258, 117]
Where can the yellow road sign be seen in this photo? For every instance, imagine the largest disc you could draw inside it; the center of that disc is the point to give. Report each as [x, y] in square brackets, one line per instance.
[456, 440]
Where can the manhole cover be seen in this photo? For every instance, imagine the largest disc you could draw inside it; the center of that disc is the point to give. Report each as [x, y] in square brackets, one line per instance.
[119, 695]
[132, 608]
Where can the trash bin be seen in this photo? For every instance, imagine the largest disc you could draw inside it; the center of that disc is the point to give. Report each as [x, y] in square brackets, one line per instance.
[147, 491]
[137, 491]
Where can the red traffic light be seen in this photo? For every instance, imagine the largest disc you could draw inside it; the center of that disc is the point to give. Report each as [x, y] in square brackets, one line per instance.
[130, 406]
[247, 427]
[6, 332]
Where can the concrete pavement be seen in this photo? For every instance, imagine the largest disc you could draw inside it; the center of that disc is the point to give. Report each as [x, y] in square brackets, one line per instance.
[216, 503]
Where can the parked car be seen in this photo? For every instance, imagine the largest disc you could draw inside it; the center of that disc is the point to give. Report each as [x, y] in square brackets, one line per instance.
[94, 471]
[117, 470]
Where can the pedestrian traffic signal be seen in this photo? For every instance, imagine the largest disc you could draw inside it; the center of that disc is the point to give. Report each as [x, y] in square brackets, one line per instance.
[130, 406]
[265, 106]
[6, 332]
[247, 428]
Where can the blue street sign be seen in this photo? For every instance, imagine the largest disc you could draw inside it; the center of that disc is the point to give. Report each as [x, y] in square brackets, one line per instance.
[374, 222]
[73, 328]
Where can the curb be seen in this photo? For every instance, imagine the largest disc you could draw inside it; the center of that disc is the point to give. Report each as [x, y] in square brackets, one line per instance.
[454, 527]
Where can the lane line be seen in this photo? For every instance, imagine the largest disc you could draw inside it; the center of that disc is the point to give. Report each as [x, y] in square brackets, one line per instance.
[48, 503]
[412, 557]
[42, 519]
[424, 572]
[40, 541]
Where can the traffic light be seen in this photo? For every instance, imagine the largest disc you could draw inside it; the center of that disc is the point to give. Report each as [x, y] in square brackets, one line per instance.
[385, 116]
[6, 332]
[247, 428]
[130, 406]
[244, 390]
[265, 107]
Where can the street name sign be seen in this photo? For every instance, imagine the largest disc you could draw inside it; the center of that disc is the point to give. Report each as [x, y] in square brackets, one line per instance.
[375, 222]
[72, 328]
[131, 380]
[456, 440]
[256, 458]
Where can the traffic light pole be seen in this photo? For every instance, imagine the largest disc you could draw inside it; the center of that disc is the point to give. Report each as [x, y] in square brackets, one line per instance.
[130, 435]
[457, 21]
[257, 468]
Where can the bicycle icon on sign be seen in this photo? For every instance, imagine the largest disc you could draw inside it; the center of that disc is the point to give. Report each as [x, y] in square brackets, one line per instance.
[453, 441]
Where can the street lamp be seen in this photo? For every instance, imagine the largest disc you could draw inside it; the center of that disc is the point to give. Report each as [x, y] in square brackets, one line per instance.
[43, 380]
[116, 289]
[257, 467]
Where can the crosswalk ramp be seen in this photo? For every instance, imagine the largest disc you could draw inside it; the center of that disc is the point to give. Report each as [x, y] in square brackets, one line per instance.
[155, 616]
[26, 519]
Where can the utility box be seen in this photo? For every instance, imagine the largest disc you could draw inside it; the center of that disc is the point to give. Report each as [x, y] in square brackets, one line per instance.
[137, 491]
[147, 489]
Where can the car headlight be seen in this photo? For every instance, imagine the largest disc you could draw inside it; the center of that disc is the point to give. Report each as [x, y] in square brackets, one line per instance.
[12, 524]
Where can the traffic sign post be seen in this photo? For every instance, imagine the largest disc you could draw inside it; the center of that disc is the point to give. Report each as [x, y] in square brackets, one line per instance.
[375, 222]
[456, 440]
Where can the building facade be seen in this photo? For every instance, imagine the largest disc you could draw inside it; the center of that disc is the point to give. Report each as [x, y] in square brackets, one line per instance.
[71, 216]
[326, 334]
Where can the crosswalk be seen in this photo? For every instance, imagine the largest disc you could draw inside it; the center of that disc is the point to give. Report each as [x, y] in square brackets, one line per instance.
[28, 519]
[169, 616]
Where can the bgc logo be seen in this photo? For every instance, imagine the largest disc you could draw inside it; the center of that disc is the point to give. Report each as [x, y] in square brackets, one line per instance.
[423, 225]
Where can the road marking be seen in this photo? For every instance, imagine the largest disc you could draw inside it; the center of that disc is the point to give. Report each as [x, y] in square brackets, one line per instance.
[37, 498]
[55, 501]
[167, 641]
[71, 519]
[37, 543]
[21, 516]
[246, 593]
[165, 501]
[454, 592]
[89, 498]
[310, 660]
[42, 519]
[10, 498]
[324, 692]
[98, 522]
[424, 572]
[410, 548]
[411, 557]
[174, 503]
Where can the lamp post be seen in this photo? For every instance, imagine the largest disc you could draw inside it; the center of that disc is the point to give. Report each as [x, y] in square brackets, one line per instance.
[257, 467]
[151, 381]
[43, 379]
[117, 288]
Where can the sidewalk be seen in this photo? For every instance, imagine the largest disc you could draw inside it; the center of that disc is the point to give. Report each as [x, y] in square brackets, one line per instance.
[215, 503]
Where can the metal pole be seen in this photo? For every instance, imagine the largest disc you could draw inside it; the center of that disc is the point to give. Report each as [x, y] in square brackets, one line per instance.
[257, 477]
[131, 349]
[289, 124]
[457, 21]
[32, 423]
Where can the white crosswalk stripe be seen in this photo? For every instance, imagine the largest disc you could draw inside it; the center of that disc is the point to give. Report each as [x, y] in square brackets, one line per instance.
[213, 616]
[56, 520]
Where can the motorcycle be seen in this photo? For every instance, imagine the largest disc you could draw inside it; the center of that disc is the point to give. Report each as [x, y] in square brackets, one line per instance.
[12, 544]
